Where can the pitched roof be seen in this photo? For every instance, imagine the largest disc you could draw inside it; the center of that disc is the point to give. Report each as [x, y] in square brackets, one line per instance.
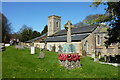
[36, 38]
[77, 30]
[78, 34]
[76, 37]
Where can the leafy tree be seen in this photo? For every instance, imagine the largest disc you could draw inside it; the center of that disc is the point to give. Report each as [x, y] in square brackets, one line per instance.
[97, 18]
[45, 30]
[25, 33]
[35, 34]
[94, 19]
[6, 28]
[113, 9]
[15, 35]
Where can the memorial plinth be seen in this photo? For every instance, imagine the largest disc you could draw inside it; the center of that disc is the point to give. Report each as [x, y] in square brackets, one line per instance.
[69, 58]
[68, 48]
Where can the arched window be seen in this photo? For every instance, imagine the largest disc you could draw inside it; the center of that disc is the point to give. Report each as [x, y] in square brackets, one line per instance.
[98, 38]
[86, 45]
[57, 24]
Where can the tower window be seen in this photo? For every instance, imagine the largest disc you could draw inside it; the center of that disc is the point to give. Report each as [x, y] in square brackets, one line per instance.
[50, 24]
[57, 24]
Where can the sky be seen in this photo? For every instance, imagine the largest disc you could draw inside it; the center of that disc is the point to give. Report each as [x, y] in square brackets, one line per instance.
[35, 14]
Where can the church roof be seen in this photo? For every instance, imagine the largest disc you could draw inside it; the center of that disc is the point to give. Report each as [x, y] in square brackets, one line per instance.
[77, 30]
[76, 37]
[78, 34]
[29, 41]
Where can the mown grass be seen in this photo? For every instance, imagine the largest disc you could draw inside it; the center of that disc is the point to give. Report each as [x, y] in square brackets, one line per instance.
[21, 64]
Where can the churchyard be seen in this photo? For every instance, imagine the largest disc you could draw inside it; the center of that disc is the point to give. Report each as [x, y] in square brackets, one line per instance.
[19, 63]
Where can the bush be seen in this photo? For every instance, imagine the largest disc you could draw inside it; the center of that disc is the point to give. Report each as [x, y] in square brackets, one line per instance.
[102, 59]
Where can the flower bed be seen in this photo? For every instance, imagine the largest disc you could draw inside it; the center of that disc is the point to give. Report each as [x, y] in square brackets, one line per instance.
[69, 61]
[69, 57]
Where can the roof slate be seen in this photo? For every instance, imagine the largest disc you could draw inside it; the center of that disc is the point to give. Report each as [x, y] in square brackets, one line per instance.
[78, 30]
[36, 38]
[64, 38]
[78, 34]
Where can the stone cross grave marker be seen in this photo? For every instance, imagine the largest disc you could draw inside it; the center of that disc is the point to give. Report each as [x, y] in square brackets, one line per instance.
[68, 26]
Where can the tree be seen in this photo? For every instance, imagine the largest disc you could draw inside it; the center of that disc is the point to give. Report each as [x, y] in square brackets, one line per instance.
[97, 18]
[45, 30]
[25, 33]
[15, 35]
[35, 34]
[6, 28]
[94, 19]
[113, 9]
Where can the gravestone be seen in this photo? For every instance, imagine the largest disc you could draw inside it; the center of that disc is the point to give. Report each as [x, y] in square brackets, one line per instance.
[60, 49]
[32, 50]
[19, 47]
[105, 58]
[97, 56]
[41, 55]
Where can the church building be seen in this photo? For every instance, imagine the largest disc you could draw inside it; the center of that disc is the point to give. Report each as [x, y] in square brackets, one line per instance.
[87, 39]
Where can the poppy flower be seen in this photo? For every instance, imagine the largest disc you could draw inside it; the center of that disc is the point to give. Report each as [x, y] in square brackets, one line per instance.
[74, 57]
[78, 57]
[69, 58]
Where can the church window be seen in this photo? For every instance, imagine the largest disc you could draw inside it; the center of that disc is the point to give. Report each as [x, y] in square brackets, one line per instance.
[57, 24]
[98, 38]
[50, 24]
[86, 45]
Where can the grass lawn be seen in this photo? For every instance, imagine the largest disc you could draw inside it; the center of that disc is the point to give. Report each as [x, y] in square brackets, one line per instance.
[21, 64]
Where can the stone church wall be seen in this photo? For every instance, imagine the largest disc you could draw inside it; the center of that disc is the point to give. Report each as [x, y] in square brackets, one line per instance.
[39, 45]
[88, 44]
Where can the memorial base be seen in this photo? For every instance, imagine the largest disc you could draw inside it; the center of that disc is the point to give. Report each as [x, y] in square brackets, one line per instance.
[70, 64]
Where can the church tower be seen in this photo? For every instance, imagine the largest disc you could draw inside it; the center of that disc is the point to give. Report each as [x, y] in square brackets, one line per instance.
[54, 24]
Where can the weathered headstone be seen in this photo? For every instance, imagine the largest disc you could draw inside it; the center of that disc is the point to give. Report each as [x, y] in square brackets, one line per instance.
[105, 58]
[96, 59]
[60, 49]
[19, 47]
[41, 55]
[93, 55]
